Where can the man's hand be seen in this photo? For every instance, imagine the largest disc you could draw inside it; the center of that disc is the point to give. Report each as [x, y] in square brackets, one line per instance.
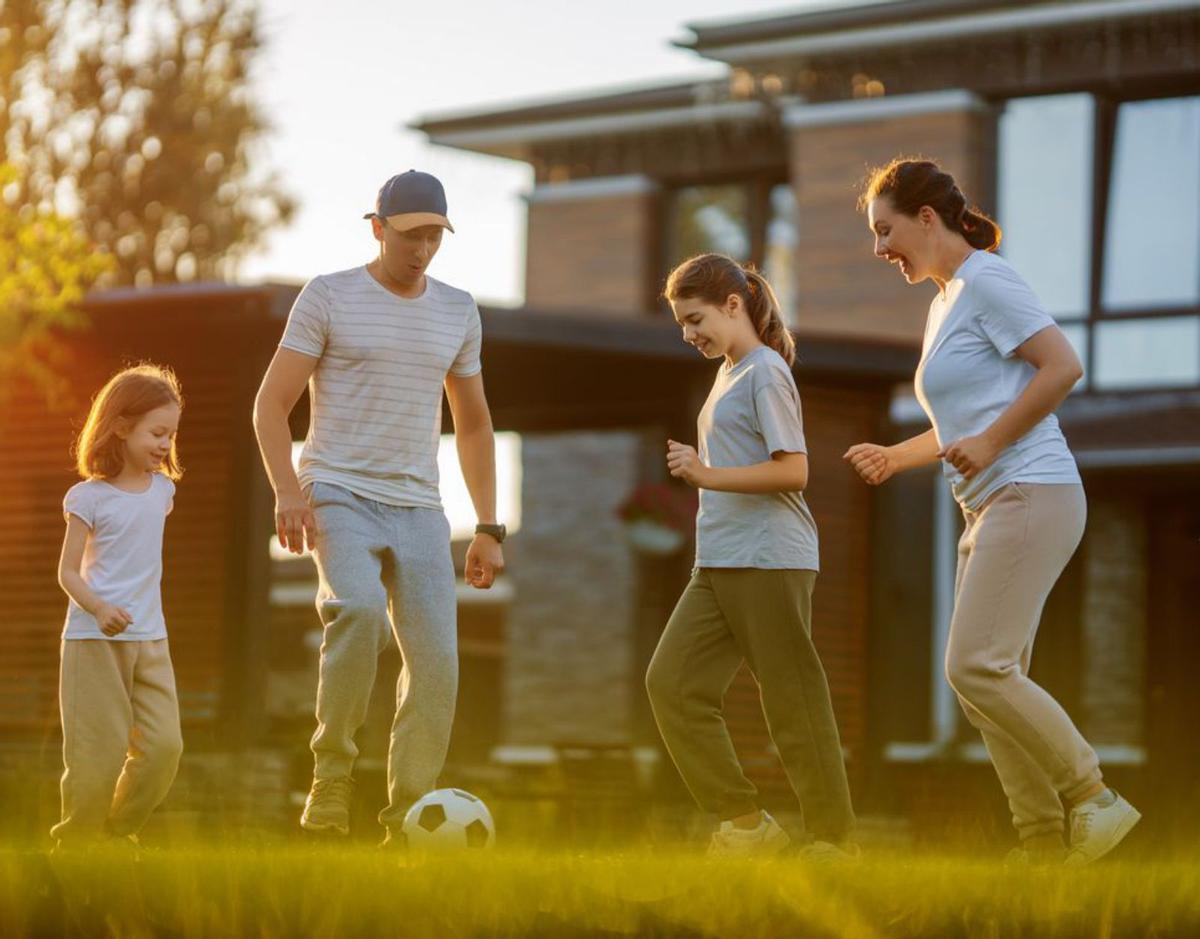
[294, 522]
[971, 455]
[485, 562]
[113, 620]
[684, 463]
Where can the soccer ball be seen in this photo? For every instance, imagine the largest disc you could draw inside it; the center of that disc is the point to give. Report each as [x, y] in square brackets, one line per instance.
[448, 819]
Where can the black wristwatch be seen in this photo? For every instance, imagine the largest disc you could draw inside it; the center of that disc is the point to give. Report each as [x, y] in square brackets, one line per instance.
[496, 531]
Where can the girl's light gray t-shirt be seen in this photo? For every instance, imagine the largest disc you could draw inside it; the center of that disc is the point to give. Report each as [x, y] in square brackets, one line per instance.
[122, 559]
[376, 392]
[969, 375]
[753, 411]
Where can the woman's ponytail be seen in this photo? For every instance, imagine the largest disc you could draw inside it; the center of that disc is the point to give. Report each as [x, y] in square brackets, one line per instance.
[911, 183]
[979, 230]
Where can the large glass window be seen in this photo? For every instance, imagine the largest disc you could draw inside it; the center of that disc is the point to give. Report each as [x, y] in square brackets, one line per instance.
[1045, 197]
[1144, 353]
[779, 252]
[1152, 239]
[710, 218]
[753, 220]
[1134, 317]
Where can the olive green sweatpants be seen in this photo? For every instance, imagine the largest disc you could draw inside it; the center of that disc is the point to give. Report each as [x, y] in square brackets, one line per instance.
[725, 616]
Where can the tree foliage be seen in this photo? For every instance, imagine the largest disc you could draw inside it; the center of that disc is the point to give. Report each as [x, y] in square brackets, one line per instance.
[46, 266]
[136, 117]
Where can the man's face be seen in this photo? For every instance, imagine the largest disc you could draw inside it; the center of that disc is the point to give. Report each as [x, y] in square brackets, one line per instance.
[406, 254]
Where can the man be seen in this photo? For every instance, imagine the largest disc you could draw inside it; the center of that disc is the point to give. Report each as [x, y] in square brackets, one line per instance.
[376, 344]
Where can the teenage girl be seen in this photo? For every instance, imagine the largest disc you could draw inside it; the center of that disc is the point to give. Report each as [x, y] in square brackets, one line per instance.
[750, 596]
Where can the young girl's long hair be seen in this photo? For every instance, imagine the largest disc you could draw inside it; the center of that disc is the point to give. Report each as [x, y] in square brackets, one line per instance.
[132, 392]
[714, 278]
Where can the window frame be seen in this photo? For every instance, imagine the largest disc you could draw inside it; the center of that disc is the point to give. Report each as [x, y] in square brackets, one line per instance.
[757, 187]
[1107, 103]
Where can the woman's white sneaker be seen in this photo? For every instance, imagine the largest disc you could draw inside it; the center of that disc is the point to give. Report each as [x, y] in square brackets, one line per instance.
[1098, 826]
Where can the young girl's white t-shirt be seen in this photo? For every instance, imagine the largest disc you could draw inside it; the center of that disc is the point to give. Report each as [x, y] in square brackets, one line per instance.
[122, 560]
[968, 375]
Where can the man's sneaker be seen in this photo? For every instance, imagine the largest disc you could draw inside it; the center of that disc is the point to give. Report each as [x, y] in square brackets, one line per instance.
[766, 839]
[327, 808]
[1098, 826]
[826, 852]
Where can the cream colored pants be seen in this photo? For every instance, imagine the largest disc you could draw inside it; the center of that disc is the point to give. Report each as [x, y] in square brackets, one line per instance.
[121, 738]
[1009, 558]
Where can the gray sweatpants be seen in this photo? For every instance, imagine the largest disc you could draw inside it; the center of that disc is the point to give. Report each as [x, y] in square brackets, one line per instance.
[378, 563]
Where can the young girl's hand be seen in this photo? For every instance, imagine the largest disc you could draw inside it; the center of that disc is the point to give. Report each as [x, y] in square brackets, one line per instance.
[113, 619]
[684, 463]
[875, 464]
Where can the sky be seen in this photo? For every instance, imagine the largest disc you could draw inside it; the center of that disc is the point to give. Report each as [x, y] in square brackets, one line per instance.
[341, 87]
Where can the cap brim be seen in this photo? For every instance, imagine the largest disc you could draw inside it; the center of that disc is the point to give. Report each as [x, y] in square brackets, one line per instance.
[410, 220]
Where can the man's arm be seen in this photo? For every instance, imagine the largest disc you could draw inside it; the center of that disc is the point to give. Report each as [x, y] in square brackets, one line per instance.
[476, 445]
[281, 387]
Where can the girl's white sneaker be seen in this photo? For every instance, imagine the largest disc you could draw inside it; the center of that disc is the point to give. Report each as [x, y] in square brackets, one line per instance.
[767, 839]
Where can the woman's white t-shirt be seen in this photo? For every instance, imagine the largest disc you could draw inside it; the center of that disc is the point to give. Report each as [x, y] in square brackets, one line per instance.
[968, 375]
[122, 561]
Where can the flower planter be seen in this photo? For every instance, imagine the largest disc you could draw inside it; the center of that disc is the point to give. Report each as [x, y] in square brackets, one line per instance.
[649, 537]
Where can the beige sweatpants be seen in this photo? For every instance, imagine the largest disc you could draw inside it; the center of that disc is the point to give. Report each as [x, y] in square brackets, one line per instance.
[121, 737]
[1009, 557]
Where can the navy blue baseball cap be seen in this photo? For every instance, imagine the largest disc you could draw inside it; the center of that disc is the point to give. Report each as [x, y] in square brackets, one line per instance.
[411, 200]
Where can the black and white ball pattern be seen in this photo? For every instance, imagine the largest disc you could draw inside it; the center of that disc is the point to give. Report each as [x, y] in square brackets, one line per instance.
[449, 819]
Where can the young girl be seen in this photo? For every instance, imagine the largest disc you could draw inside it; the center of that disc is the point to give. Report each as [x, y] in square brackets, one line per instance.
[756, 562]
[121, 739]
[993, 368]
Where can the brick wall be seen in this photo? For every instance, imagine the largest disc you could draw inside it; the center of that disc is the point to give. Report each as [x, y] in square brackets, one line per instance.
[594, 250]
[1115, 623]
[203, 570]
[843, 289]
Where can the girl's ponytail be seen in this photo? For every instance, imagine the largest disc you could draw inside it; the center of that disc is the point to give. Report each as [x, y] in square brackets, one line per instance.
[713, 278]
[763, 307]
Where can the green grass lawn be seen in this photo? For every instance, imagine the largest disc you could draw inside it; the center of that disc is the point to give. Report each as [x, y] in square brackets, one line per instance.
[302, 890]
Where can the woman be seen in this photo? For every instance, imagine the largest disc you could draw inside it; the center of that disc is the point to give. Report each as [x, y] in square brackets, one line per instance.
[994, 366]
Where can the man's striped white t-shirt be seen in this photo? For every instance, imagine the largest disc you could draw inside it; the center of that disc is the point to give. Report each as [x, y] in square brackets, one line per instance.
[376, 393]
